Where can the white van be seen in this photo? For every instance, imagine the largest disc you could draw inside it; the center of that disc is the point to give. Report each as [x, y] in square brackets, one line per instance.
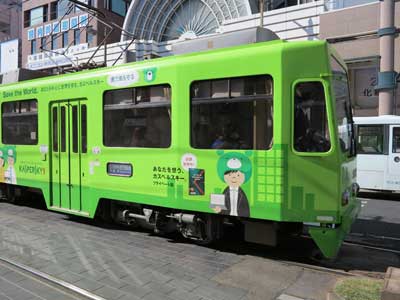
[378, 152]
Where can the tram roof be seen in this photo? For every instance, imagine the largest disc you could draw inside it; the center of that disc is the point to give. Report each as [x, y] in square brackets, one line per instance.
[275, 45]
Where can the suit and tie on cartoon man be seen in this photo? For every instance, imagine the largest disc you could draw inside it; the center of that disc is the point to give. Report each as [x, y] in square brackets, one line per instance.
[234, 169]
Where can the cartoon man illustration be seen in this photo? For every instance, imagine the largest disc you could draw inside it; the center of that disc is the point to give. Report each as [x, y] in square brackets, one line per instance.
[235, 169]
[10, 175]
[1, 166]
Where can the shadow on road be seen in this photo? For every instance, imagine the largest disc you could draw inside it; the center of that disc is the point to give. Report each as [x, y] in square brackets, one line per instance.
[297, 249]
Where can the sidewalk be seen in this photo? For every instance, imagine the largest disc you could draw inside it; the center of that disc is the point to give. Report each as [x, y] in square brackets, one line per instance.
[266, 279]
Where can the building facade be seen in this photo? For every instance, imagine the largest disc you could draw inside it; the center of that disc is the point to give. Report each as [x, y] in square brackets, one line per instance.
[10, 32]
[53, 32]
[353, 33]
[10, 18]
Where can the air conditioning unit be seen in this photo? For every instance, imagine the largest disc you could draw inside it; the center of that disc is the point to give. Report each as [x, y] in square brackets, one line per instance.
[150, 56]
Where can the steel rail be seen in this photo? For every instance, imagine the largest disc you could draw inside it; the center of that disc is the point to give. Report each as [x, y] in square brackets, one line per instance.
[369, 246]
[55, 282]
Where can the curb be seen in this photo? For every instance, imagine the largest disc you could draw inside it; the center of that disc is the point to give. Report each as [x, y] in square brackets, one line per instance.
[391, 287]
[333, 296]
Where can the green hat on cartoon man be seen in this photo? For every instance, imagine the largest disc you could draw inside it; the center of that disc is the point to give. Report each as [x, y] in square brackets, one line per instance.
[234, 161]
[12, 153]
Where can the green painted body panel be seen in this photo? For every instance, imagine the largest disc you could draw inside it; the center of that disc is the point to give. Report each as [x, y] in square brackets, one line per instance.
[283, 185]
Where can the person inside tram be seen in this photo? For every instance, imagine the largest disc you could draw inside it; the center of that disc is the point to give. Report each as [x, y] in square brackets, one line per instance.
[311, 131]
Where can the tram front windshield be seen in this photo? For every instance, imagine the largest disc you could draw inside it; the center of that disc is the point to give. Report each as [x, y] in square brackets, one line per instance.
[343, 108]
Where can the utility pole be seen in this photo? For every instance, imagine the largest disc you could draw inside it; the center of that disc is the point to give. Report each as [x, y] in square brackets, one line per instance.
[261, 5]
[387, 76]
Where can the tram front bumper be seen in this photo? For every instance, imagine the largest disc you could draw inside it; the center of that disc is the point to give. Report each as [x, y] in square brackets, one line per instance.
[329, 240]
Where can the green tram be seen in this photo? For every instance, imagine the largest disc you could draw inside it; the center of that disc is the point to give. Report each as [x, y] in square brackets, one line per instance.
[259, 135]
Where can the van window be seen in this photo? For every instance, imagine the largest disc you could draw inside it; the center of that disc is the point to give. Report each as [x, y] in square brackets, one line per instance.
[232, 113]
[311, 132]
[20, 122]
[396, 140]
[370, 139]
[137, 117]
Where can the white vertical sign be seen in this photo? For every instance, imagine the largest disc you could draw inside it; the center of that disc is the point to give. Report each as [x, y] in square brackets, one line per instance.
[8, 56]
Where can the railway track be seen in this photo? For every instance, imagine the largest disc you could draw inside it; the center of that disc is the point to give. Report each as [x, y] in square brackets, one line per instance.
[25, 280]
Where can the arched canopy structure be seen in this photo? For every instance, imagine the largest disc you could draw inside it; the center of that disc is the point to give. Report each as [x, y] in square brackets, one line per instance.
[163, 20]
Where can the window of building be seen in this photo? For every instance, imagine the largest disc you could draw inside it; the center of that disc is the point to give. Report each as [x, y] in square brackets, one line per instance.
[64, 7]
[27, 18]
[53, 10]
[371, 139]
[20, 122]
[119, 7]
[232, 113]
[311, 132]
[54, 42]
[35, 16]
[138, 117]
[33, 47]
[65, 39]
[77, 36]
[90, 35]
[43, 43]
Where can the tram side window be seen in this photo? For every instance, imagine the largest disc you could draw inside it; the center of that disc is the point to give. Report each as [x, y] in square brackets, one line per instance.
[311, 132]
[396, 140]
[232, 113]
[20, 122]
[138, 117]
[370, 139]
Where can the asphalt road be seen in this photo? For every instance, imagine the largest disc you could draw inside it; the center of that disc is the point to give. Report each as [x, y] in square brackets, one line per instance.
[379, 220]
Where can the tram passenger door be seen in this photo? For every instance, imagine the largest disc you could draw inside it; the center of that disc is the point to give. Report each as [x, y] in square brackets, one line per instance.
[68, 131]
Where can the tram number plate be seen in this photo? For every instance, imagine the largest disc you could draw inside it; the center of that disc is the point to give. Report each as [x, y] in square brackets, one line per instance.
[119, 169]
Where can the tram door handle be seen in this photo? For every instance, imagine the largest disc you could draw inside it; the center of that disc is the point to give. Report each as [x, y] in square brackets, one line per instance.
[396, 159]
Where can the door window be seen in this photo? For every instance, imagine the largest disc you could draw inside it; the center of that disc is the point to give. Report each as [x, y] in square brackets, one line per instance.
[311, 132]
[55, 130]
[63, 127]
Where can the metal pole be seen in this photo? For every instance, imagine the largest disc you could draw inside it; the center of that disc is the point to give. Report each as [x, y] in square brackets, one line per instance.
[386, 45]
[261, 2]
[105, 46]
